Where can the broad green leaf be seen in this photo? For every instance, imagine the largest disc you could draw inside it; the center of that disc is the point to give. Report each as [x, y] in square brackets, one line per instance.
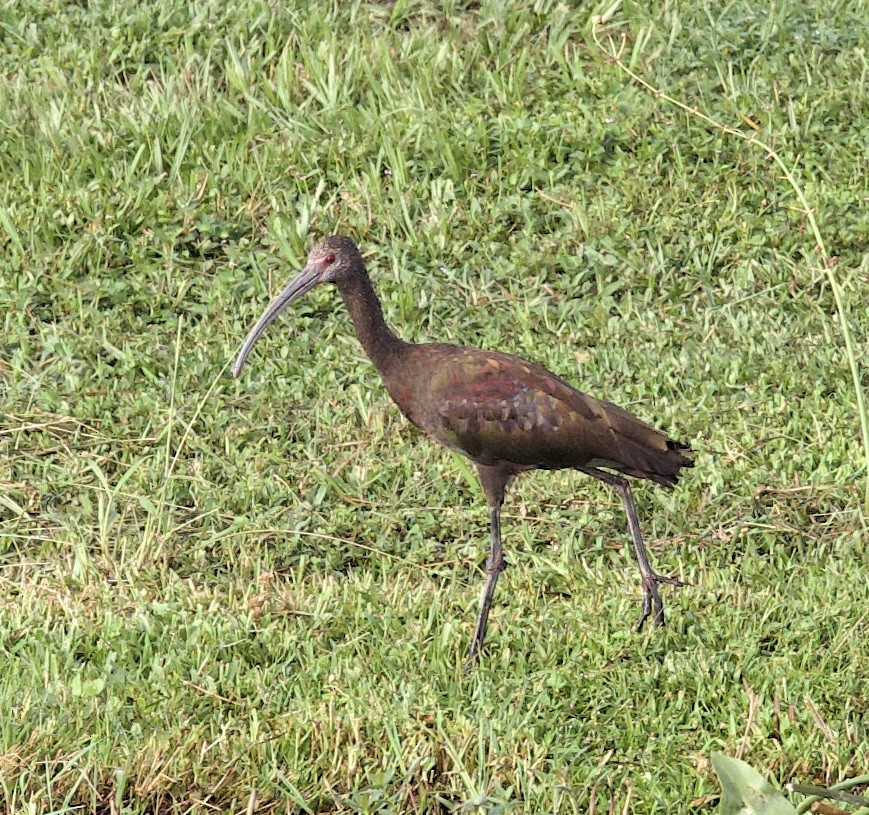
[744, 791]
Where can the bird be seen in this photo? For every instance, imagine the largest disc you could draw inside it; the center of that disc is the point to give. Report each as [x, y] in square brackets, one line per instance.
[506, 414]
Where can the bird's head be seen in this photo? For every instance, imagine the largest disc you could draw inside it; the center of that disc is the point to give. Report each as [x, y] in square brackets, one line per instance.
[331, 260]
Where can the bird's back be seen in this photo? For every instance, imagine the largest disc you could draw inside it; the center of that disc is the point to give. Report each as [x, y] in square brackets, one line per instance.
[500, 408]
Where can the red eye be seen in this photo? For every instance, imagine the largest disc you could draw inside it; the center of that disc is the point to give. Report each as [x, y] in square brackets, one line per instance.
[330, 258]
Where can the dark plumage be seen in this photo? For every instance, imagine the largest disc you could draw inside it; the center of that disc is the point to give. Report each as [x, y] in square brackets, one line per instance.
[506, 414]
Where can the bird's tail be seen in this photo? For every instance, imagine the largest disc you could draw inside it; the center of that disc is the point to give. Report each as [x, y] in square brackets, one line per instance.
[644, 451]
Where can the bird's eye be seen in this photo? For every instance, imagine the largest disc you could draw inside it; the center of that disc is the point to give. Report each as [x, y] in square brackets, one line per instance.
[330, 258]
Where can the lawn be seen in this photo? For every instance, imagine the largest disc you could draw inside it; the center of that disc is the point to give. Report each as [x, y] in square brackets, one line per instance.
[256, 595]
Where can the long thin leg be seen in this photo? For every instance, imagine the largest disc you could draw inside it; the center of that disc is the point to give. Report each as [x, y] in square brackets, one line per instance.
[494, 479]
[494, 567]
[651, 596]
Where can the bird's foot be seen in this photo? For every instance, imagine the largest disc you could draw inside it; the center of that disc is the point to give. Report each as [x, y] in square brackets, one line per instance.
[652, 597]
[673, 581]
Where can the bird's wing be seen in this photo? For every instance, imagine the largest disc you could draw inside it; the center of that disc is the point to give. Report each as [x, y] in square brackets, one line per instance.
[494, 406]
[497, 407]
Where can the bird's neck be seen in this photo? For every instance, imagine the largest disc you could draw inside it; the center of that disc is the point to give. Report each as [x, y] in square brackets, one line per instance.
[381, 345]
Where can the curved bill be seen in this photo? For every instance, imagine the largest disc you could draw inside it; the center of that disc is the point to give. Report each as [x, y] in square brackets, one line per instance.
[307, 279]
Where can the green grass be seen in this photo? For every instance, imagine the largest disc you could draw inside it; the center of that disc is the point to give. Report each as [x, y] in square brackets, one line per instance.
[209, 587]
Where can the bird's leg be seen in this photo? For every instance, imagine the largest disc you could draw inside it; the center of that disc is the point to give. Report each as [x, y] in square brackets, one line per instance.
[651, 596]
[494, 567]
[494, 479]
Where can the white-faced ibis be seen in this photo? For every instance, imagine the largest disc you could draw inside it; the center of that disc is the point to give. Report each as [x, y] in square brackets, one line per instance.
[506, 414]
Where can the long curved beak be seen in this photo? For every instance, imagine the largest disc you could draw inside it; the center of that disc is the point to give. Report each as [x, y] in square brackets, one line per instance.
[307, 279]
